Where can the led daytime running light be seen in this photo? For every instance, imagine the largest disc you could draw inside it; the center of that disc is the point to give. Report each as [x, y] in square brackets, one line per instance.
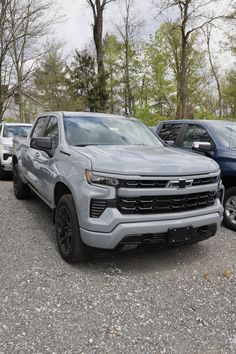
[103, 180]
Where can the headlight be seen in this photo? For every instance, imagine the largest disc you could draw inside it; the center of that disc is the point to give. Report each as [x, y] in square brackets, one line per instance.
[97, 179]
[7, 148]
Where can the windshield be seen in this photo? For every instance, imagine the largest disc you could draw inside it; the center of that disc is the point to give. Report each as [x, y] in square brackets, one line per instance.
[82, 131]
[12, 130]
[226, 134]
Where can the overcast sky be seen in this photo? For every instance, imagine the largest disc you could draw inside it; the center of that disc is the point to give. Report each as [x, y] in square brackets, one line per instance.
[76, 29]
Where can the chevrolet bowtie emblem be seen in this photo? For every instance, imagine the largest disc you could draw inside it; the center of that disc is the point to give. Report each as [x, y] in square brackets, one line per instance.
[181, 184]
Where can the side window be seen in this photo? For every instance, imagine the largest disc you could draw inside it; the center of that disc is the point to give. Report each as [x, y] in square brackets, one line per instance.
[195, 133]
[0, 129]
[170, 132]
[40, 127]
[52, 132]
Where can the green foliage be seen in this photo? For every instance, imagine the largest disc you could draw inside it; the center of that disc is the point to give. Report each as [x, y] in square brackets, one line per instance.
[230, 94]
[143, 76]
[11, 120]
[87, 89]
[113, 65]
[51, 82]
[147, 117]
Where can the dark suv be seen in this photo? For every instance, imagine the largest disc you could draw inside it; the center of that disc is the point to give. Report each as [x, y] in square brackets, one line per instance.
[215, 139]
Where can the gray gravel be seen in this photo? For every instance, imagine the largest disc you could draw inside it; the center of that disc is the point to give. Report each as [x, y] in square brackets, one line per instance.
[141, 301]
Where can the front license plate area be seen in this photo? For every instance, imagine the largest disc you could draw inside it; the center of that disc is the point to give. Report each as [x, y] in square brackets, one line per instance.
[180, 234]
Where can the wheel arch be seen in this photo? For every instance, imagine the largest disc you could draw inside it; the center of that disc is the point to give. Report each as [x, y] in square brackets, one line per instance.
[228, 181]
[59, 190]
[14, 160]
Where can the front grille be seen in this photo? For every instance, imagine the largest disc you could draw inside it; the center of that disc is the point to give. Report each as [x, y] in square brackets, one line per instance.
[143, 184]
[161, 239]
[206, 180]
[6, 156]
[165, 204]
[164, 183]
[97, 207]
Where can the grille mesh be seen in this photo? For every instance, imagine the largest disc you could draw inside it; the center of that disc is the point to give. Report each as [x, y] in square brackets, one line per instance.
[97, 207]
[163, 183]
[165, 204]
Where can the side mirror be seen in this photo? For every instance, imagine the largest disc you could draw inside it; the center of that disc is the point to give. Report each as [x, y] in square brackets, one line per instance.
[202, 147]
[169, 142]
[44, 144]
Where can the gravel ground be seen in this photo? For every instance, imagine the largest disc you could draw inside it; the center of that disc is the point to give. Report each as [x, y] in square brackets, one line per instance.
[141, 301]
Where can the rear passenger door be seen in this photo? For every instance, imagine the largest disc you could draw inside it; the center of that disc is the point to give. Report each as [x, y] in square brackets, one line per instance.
[171, 132]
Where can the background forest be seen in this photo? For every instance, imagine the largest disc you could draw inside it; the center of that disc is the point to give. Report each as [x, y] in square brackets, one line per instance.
[173, 73]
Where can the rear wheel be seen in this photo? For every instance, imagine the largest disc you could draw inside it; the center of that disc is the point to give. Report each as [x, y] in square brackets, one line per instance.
[69, 240]
[230, 208]
[21, 190]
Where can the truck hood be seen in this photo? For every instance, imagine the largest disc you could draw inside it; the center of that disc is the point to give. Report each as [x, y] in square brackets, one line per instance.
[146, 160]
[7, 141]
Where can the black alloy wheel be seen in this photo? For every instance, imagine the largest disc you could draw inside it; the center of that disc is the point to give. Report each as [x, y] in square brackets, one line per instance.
[69, 240]
[21, 190]
[230, 208]
[64, 230]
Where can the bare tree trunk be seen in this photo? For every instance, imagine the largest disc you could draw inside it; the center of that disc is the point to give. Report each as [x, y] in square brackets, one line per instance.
[97, 35]
[194, 16]
[183, 82]
[128, 30]
[98, 7]
[128, 107]
[214, 72]
[183, 90]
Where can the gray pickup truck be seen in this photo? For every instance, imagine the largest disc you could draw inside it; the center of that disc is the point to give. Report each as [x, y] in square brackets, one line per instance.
[111, 182]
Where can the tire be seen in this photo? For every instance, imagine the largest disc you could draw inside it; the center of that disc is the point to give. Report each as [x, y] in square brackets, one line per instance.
[21, 190]
[70, 244]
[3, 174]
[230, 208]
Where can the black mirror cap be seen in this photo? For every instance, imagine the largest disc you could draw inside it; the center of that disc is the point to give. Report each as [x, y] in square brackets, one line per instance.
[44, 144]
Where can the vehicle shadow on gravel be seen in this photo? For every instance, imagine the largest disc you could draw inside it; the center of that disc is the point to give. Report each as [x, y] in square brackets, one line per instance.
[148, 258]
[142, 259]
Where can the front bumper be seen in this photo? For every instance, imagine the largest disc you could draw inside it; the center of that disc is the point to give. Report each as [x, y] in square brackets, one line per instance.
[6, 161]
[109, 240]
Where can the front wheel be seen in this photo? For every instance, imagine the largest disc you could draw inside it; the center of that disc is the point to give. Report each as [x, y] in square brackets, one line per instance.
[69, 240]
[3, 174]
[21, 190]
[230, 208]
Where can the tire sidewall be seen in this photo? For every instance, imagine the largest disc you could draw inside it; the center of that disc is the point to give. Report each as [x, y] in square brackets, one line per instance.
[229, 193]
[22, 191]
[78, 249]
[15, 175]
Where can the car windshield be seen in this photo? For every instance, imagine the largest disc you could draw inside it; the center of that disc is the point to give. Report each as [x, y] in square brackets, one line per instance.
[226, 133]
[98, 130]
[15, 130]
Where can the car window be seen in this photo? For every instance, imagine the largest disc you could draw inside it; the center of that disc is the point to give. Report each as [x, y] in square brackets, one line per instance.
[0, 128]
[10, 131]
[107, 130]
[195, 133]
[170, 132]
[40, 127]
[52, 132]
